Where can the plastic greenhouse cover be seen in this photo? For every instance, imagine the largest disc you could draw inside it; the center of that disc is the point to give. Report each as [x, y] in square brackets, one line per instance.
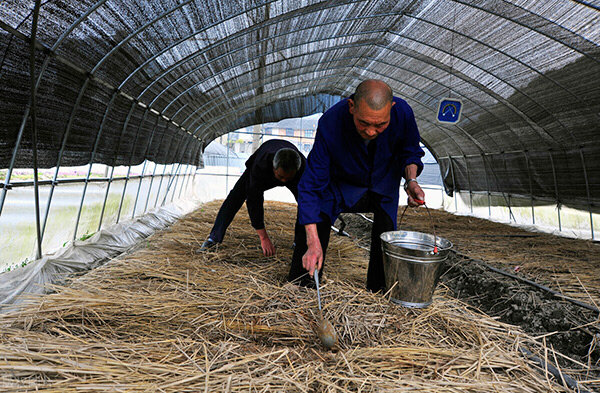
[79, 256]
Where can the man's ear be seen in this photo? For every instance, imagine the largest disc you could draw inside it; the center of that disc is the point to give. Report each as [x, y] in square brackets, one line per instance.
[351, 105]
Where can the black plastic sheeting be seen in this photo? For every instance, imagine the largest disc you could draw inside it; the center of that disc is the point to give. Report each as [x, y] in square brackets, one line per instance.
[159, 80]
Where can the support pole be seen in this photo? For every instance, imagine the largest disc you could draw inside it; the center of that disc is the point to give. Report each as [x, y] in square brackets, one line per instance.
[137, 194]
[137, 133]
[33, 105]
[587, 190]
[454, 185]
[154, 170]
[172, 177]
[61, 152]
[555, 189]
[112, 171]
[184, 181]
[227, 168]
[92, 157]
[469, 183]
[487, 183]
[164, 168]
[150, 187]
[192, 168]
[176, 178]
[110, 179]
[508, 193]
[530, 188]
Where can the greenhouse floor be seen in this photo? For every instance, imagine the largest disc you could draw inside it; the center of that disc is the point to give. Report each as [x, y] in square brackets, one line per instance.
[164, 318]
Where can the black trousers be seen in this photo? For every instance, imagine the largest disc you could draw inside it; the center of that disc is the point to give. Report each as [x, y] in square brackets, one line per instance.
[229, 208]
[370, 203]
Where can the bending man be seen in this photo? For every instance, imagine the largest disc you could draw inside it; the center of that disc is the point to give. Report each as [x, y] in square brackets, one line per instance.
[275, 163]
[364, 145]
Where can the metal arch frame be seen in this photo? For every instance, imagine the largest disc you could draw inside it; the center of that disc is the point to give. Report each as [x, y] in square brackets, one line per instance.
[164, 168]
[418, 59]
[52, 51]
[415, 100]
[587, 190]
[469, 183]
[254, 43]
[540, 131]
[137, 133]
[180, 155]
[92, 156]
[426, 93]
[65, 137]
[507, 55]
[162, 137]
[112, 172]
[386, 30]
[529, 121]
[187, 180]
[181, 5]
[242, 33]
[487, 184]
[557, 25]
[174, 176]
[136, 32]
[214, 122]
[558, 203]
[144, 167]
[212, 25]
[344, 46]
[382, 62]
[530, 187]
[534, 28]
[162, 16]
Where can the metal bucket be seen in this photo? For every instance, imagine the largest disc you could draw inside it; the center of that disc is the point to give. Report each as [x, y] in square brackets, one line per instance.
[412, 265]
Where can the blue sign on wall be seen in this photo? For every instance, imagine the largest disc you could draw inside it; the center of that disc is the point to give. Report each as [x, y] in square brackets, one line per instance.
[449, 110]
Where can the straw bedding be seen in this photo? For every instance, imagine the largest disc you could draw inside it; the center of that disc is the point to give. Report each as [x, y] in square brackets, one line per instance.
[165, 319]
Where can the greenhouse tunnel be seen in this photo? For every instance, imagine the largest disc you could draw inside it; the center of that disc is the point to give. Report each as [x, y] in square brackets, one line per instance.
[150, 84]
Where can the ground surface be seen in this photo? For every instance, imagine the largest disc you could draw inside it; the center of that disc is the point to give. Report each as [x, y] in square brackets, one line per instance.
[568, 266]
[164, 318]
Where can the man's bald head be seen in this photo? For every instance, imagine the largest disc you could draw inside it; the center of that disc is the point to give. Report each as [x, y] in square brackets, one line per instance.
[375, 93]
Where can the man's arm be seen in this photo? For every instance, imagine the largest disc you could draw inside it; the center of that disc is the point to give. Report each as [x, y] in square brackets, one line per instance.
[313, 258]
[314, 180]
[413, 190]
[265, 243]
[411, 154]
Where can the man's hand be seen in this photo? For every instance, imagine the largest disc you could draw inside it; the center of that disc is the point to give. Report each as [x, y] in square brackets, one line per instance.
[313, 258]
[265, 243]
[416, 196]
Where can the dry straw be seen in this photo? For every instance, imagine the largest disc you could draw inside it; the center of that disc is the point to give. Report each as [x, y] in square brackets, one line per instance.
[165, 319]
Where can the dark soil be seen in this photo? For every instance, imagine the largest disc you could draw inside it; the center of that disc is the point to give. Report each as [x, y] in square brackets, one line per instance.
[570, 329]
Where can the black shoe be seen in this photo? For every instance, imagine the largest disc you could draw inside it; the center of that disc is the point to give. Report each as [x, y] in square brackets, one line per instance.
[207, 245]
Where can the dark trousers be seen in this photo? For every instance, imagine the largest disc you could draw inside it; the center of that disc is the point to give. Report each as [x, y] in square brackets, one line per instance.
[229, 208]
[370, 203]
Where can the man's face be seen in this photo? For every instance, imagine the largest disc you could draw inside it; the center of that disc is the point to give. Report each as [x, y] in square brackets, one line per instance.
[283, 176]
[369, 122]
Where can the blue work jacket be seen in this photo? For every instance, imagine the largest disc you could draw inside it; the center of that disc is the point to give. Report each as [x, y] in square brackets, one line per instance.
[338, 171]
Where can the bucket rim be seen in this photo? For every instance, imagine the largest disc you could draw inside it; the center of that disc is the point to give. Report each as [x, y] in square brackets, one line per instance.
[442, 243]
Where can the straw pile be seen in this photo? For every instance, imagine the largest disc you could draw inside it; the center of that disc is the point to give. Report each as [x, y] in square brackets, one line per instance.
[566, 265]
[164, 319]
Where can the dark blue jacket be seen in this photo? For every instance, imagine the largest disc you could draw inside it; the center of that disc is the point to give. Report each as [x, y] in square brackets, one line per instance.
[339, 172]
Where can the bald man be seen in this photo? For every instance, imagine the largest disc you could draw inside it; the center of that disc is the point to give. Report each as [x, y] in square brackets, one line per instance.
[364, 146]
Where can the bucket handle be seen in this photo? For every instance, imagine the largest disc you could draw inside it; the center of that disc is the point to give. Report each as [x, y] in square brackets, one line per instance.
[420, 202]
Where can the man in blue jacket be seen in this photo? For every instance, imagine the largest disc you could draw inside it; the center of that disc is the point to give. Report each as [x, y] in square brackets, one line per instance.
[363, 147]
[275, 163]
